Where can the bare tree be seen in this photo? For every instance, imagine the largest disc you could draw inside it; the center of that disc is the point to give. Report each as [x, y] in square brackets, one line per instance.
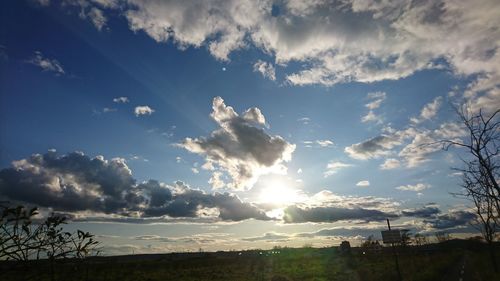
[23, 237]
[481, 171]
[420, 239]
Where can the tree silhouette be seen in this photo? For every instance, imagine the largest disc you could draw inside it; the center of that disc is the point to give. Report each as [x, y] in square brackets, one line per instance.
[24, 237]
[481, 169]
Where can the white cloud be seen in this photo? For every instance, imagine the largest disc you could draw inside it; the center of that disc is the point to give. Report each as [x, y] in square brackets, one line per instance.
[324, 143]
[92, 10]
[254, 115]
[333, 167]
[376, 100]
[239, 147]
[429, 110]
[364, 183]
[43, 2]
[109, 109]
[47, 64]
[97, 17]
[86, 187]
[371, 117]
[304, 120]
[215, 180]
[121, 100]
[425, 142]
[412, 145]
[266, 69]
[334, 42]
[319, 143]
[372, 148]
[143, 110]
[390, 163]
[417, 187]
[484, 93]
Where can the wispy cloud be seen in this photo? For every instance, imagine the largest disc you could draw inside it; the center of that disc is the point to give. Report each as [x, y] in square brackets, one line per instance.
[266, 69]
[428, 111]
[319, 143]
[47, 64]
[121, 100]
[390, 164]
[376, 100]
[333, 167]
[416, 187]
[363, 183]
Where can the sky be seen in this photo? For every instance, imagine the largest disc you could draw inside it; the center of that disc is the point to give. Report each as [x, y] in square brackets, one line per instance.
[164, 126]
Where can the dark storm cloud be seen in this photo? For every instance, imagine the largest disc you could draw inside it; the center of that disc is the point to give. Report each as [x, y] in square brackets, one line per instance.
[295, 214]
[452, 219]
[192, 203]
[76, 182]
[372, 148]
[424, 212]
[71, 182]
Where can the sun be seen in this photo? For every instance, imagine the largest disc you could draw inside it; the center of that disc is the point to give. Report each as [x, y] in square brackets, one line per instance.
[277, 192]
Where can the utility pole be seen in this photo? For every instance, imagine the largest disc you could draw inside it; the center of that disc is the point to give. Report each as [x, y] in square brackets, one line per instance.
[395, 254]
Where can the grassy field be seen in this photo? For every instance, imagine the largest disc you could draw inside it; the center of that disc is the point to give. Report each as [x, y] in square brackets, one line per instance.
[435, 262]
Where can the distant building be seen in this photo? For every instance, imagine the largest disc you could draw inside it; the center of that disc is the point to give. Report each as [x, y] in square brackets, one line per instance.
[345, 247]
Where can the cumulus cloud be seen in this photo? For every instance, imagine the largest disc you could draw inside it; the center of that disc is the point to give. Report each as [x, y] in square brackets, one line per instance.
[121, 100]
[416, 187]
[86, 187]
[266, 69]
[47, 64]
[364, 183]
[143, 110]
[71, 182]
[333, 167]
[96, 189]
[239, 147]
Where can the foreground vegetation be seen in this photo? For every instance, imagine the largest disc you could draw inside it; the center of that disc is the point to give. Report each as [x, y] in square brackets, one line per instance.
[430, 262]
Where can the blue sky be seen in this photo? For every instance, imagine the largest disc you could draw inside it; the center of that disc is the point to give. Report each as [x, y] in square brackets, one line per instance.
[261, 124]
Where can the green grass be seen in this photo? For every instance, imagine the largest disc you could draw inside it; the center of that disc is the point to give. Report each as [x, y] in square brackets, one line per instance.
[289, 264]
